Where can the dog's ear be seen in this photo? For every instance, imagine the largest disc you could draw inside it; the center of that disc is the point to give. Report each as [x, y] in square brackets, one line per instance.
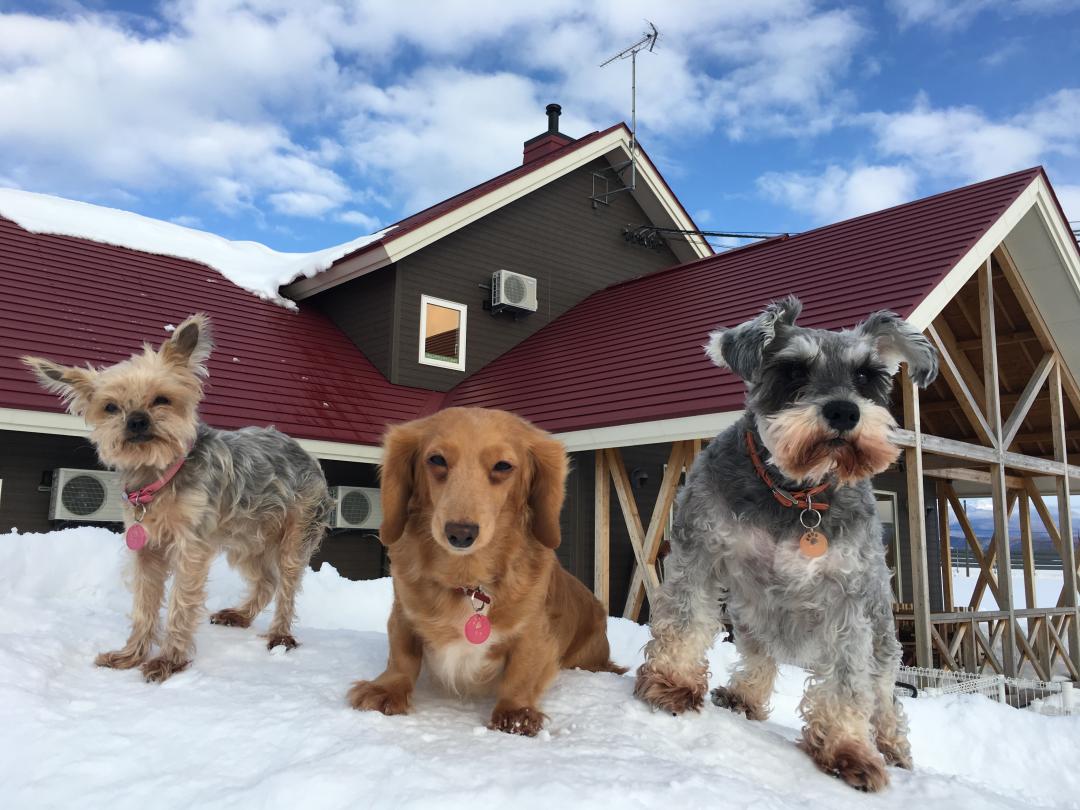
[547, 488]
[74, 385]
[396, 475]
[190, 344]
[742, 347]
[898, 341]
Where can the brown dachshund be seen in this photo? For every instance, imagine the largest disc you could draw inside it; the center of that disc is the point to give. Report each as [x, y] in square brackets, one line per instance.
[471, 501]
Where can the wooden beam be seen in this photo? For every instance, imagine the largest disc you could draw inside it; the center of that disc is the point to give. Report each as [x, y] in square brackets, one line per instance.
[1027, 551]
[631, 517]
[988, 331]
[1027, 399]
[986, 571]
[969, 475]
[962, 381]
[602, 531]
[654, 536]
[965, 451]
[1004, 339]
[946, 547]
[1046, 436]
[1065, 525]
[920, 583]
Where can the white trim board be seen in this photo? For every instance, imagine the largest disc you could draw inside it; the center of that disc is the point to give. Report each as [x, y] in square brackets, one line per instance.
[703, 426]
[615, 146]
[64, 424]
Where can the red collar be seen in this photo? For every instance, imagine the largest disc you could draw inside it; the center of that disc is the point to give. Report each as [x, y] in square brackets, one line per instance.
[804, 498]
[144, 495]
[476, 593]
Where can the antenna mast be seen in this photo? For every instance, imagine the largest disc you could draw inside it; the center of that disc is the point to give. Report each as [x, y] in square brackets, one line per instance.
[646, 43]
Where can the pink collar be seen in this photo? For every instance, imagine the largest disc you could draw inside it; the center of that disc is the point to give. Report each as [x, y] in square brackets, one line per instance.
[145, 495]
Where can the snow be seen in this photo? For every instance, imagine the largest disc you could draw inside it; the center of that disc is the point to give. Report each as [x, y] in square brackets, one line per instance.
[1047, 588]
[243, 727]
[250, 265]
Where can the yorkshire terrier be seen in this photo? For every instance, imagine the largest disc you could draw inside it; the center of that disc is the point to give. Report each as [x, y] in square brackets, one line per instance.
[777, 524]
[191, 492]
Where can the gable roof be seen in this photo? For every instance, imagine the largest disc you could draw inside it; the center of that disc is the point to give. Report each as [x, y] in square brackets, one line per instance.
[632, 352]
[408, 235]
[77, 301]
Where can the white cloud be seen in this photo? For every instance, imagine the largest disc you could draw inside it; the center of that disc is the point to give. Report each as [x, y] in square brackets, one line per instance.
[273, 106]
[360, 219]
[953, 14]
[838, 193]
[1069, 197]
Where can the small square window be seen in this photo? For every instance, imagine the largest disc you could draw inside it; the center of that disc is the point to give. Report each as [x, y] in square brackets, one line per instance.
[442, 333]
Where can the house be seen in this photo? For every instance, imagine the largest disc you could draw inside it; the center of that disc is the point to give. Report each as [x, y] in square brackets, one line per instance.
[610, 361]
[348, 358]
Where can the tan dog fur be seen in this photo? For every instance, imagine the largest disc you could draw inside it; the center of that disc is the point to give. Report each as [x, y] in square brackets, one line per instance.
[542, 618]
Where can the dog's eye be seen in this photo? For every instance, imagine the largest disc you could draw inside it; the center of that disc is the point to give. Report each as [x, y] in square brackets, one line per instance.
[111, 407]
[436, 461]
[865, 376]
[796, 373]
[503, 466]
[160, 400]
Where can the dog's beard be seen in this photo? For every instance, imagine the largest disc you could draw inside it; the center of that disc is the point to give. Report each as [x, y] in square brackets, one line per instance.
[169, 439]
[805, 449]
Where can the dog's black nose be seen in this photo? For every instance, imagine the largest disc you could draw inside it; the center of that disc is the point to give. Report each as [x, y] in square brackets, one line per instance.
[461, 535]
[841, 414]
[138, 423]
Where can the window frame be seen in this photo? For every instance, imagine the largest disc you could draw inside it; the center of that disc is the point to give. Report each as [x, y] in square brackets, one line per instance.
[887, 495]
[463, 312]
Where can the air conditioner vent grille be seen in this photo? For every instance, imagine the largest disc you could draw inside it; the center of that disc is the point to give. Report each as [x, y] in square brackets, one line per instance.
[83, 495]
[515, 290]
[355, 507]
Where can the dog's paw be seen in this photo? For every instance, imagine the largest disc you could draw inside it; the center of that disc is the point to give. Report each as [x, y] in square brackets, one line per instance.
[162, 668]
[524, 720]
[374, 697]
[897, 753]
[726, 699]
[230, 617]
[120, 659]
[853, 762]
[281, 640]
[661, 691]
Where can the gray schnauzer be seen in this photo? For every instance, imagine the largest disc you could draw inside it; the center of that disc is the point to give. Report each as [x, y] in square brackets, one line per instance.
[777, 524]
[191, 492]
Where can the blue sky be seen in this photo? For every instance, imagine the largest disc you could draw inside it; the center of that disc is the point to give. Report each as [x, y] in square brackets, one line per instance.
[302, 125]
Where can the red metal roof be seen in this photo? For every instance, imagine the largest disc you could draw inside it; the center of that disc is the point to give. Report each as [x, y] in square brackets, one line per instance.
[77, 301]
[632, 352]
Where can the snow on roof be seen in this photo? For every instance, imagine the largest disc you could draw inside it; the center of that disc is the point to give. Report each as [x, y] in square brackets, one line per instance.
[250, 265]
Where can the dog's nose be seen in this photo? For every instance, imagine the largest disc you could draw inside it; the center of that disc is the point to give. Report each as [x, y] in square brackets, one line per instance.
[841, 414]
[461, 535]
[138, 423]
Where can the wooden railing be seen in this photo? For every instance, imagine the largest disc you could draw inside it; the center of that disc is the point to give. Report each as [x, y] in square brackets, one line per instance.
[970, 640]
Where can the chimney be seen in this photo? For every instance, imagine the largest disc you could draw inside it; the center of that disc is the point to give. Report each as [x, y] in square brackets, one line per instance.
[547, 142]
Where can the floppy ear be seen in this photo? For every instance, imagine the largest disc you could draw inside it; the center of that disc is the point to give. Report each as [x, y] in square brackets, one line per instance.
[896, 340]
[74, 385]
[396, 478]
[190, 344]
[742, 347]
[548, 488]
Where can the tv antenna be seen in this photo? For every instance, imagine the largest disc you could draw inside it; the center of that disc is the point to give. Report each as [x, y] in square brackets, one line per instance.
[646, 43]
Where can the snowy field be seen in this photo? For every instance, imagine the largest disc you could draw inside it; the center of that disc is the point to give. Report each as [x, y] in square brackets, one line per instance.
[245, 728]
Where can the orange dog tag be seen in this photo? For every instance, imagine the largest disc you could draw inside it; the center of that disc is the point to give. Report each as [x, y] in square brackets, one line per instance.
[813, 543]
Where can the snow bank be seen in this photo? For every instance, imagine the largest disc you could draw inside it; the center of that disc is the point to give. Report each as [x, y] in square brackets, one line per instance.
[243, 727]
[250, 265]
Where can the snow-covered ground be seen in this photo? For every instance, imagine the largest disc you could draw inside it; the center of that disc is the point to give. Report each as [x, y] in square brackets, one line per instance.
[246, 728]
[1047, 588]
[250, 265]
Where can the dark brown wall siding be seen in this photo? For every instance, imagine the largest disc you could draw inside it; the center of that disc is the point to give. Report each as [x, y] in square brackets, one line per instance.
[364, 310]
[554, 235]
[23, 458]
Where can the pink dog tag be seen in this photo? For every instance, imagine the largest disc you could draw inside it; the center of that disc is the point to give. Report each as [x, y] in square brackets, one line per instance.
[477, 628]
[136, 536]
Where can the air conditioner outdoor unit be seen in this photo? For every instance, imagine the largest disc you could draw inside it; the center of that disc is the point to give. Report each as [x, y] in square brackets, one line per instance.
[357, 508]
[89, 496]
[512, 291]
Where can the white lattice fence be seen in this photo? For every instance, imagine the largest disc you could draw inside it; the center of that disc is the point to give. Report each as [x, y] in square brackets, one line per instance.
[1045, 697]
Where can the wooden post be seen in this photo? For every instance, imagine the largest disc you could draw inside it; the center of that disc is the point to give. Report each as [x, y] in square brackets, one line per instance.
[999, 491]
[632, 519]
[602, 533]
[1027, 550]
[946, 547]
[913, 467]
[1065, 525]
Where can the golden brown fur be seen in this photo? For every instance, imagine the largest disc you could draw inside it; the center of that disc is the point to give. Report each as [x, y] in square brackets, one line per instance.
[253, 493]
[542, 618]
